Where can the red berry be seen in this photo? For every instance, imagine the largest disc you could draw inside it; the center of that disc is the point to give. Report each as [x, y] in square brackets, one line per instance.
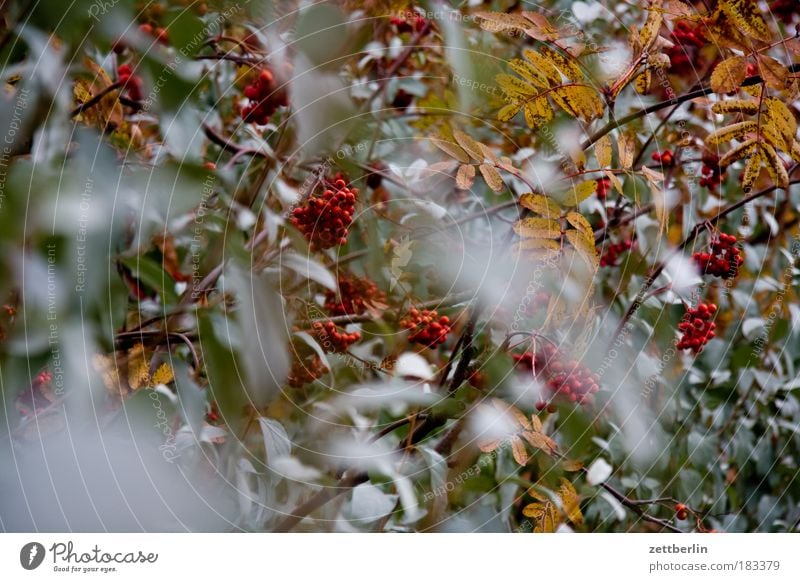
[265, 97]
[322, 221]
[426, 327]
[724, 259]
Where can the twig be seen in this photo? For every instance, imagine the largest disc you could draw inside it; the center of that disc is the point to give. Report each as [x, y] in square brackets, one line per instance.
[95, 99]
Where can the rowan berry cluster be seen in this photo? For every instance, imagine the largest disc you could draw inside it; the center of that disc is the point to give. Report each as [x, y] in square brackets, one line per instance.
[426, 327]
[724, 259]
[331, 338]
[697, 327]
[324, 220]
[353, 296]
[305, 371]
[603, 187]
[158, 32]
[265, 98]
[130, 82]
[688, 39]
[410, 21]
[613, 251]
[713, 175]
[667, 158]
[566, 378]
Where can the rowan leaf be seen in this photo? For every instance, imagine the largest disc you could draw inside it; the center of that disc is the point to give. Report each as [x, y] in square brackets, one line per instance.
[465, 176]
[751, 170]
[731, 132]
[774, 73]
[540, 204]
[585, 247]
[775, 167]
[544, 65]
[735, 106]
[492, 177]
[501, 21]
[652, 25]
[580, 192]
[746, 16]
[602, 150]
[537, 228]
[528, 72]
[778, 113]
[164, 374]
[514, 87]
[507, 112]
[738, 152]
[469, 145]
[451, 150]
[565, 64]
[579, 221]
[490, 446]
[626, 146]
[729, 74]
[537, 111]
[570, 502]
[578, 100]
[518, 451]
[539, 441]
[642, 82]
[536, 244]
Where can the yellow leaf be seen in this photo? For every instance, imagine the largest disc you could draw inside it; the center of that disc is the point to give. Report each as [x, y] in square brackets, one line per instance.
[602, 150]
[518, 451]
[774, 73]
[537, 111]
[746, 16]
[138, 367]
[515, 87]
[492, 177]
[626, 146]
[451, 150]
[735, 106]
[615, 182]
[544, 65]
[579, 100]
[738, 152]
[536, 244]
[537, 228]
[735, 131]
[540, 204]
[570, 502]
[539, 441]
[652, 25]
[465, 176]
[571, 465]
[580, 192]
[564, 63]
[501, 21]
[577, 220]
[508, 112]
[585, 247]
[642, 82]
[163, 375]
[729, 74]
[775, 166]
[469, 145]
[751, 170]
[528, 72]
[778, 113]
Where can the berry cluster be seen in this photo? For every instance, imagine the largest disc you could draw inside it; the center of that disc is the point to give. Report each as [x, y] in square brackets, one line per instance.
[324, 220]
[724, 259]
[160, 33]
[697, 327]
[786, 10]
[667, 158]
[426, 327]
[132, 83]
[265, 98]
[353, 296]
[332, 339]
[713, 175]
[410, 21]
[567, 378]
[306, 371]
[613, 251]
[603, 187]
[688, 39]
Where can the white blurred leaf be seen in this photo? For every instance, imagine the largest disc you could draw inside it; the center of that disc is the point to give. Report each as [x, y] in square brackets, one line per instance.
[276, 441]
[310, 269]
[598, 472]
[413, 365]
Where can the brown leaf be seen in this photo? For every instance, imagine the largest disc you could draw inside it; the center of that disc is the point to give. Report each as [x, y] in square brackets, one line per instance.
[492, 177]
[773, 72]
[465, 176]
[626, 145]
[518, 451]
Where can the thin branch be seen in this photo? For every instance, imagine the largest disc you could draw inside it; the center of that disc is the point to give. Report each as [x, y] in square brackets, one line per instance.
[95, 100]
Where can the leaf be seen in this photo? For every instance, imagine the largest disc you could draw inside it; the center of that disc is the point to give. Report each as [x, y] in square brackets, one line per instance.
[564, 63]
[615, 182]
[508, 112]
[310, 269]
[571, 465]
[577, 220]
[540, 204]
[738, 152]
[570, 502]
[472, 147]
[518, 451]
[778, 113]
[729, 74]
[514, 87]
[492, 177]
[598, 471]
[539, 441]
[490, 446]
[163, 375]
[585, 247]
[536, 244]
[580, 192]
[775, 166]
[537, 228]
[579, 100]
[642, 82]
[501, 21]
[537, 112]
[626, 145]
[602, 151]
[544, 65]
[465, 176]
[735, 106]
[451, 150]
[751, 170]
[746, 16]
[774, 73]
[652, 25]
[276, 441]
[735, 131]
[528, 72]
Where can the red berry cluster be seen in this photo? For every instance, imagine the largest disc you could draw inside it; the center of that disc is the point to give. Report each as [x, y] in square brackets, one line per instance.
[713, 175]
[786, 10]
[613, 251]
[681, 511]
[324, 220]
[567, 378]
[160, 33]
[697, 327]
[332, 339]
[723, 260]
[603, 188]
[426, 327]
[306, 371]
[667, 158]
[353, 296]
[410, 21]
[132, 83]
[688, 39]
[265, 98]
